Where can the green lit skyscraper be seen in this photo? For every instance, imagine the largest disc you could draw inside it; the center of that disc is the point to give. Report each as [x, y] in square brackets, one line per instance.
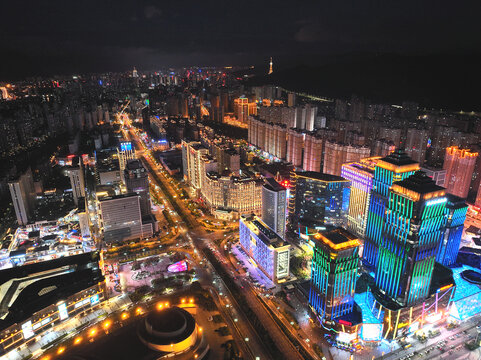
[333, 274]
[394, 167]
[412, 230]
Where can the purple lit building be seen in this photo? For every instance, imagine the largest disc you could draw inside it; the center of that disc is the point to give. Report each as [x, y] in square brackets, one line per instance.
[360, 174]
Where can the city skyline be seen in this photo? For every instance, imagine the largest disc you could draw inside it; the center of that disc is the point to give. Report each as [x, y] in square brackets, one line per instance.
[240, 181]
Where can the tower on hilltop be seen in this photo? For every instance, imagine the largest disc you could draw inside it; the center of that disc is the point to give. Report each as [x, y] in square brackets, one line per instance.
[270, 67]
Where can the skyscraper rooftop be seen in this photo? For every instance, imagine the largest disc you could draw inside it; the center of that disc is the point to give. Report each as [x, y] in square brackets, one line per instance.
[420, 183]
[399, 162]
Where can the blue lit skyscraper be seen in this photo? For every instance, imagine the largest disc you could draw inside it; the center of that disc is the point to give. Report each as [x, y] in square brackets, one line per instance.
[333, 274]
[318, 200]
[394, 167]
[413, 228]
[455, 215]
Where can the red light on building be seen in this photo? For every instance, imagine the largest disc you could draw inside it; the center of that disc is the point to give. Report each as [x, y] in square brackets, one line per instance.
[286, 184]
[344, 322]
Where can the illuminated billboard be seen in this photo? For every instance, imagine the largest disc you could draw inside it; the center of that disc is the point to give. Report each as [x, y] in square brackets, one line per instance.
[126, 146]
[371, 332]
[178, 266]
[62, 311]
[94, 299]
[27, 330]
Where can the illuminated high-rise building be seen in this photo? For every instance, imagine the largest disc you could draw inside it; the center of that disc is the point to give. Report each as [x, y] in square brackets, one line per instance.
[313, 145]
[77, 180]
[333, 274]
[274, 206]
[192, 153]
[412, 229]
[317, 200]
[361, 174]
[459, 165]
[394, 167]
[336, 154]
[455, 215]
[125, 152]
[22, 191]
[306, 117]
[295, 142]
[243, 108]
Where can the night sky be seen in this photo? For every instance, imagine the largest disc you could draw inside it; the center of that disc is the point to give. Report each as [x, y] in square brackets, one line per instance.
[64, 37]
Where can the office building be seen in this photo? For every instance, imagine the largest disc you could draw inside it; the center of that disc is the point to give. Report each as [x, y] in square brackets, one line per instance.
[22, 191]
[126, 152]
[333, 275]
[313, 147]
[336, 154]
[394, 167]
[137, 181]
[120, 218]
[459, 165]
[274, 206]
[77, 180]
[412, 229]
[455, 215]
[268, 250]
[360, 174]
[317, 200]
[228, 159]
[107, 168]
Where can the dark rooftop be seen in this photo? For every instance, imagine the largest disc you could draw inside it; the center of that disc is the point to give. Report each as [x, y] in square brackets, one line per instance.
[319, 176]
[455, 202]
[339, 236]
[399, 157]
[420, 183]
[121, 196]
[134, 164]
[272, 185]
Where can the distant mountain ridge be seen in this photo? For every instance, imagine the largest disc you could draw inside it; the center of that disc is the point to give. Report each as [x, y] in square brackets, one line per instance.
[442, 81]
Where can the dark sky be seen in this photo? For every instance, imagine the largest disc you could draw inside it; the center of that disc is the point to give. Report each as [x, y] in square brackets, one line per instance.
[65, 36]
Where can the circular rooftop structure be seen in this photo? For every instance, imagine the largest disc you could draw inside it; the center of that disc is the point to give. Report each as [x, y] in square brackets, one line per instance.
[474, 277]
[170, 330]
